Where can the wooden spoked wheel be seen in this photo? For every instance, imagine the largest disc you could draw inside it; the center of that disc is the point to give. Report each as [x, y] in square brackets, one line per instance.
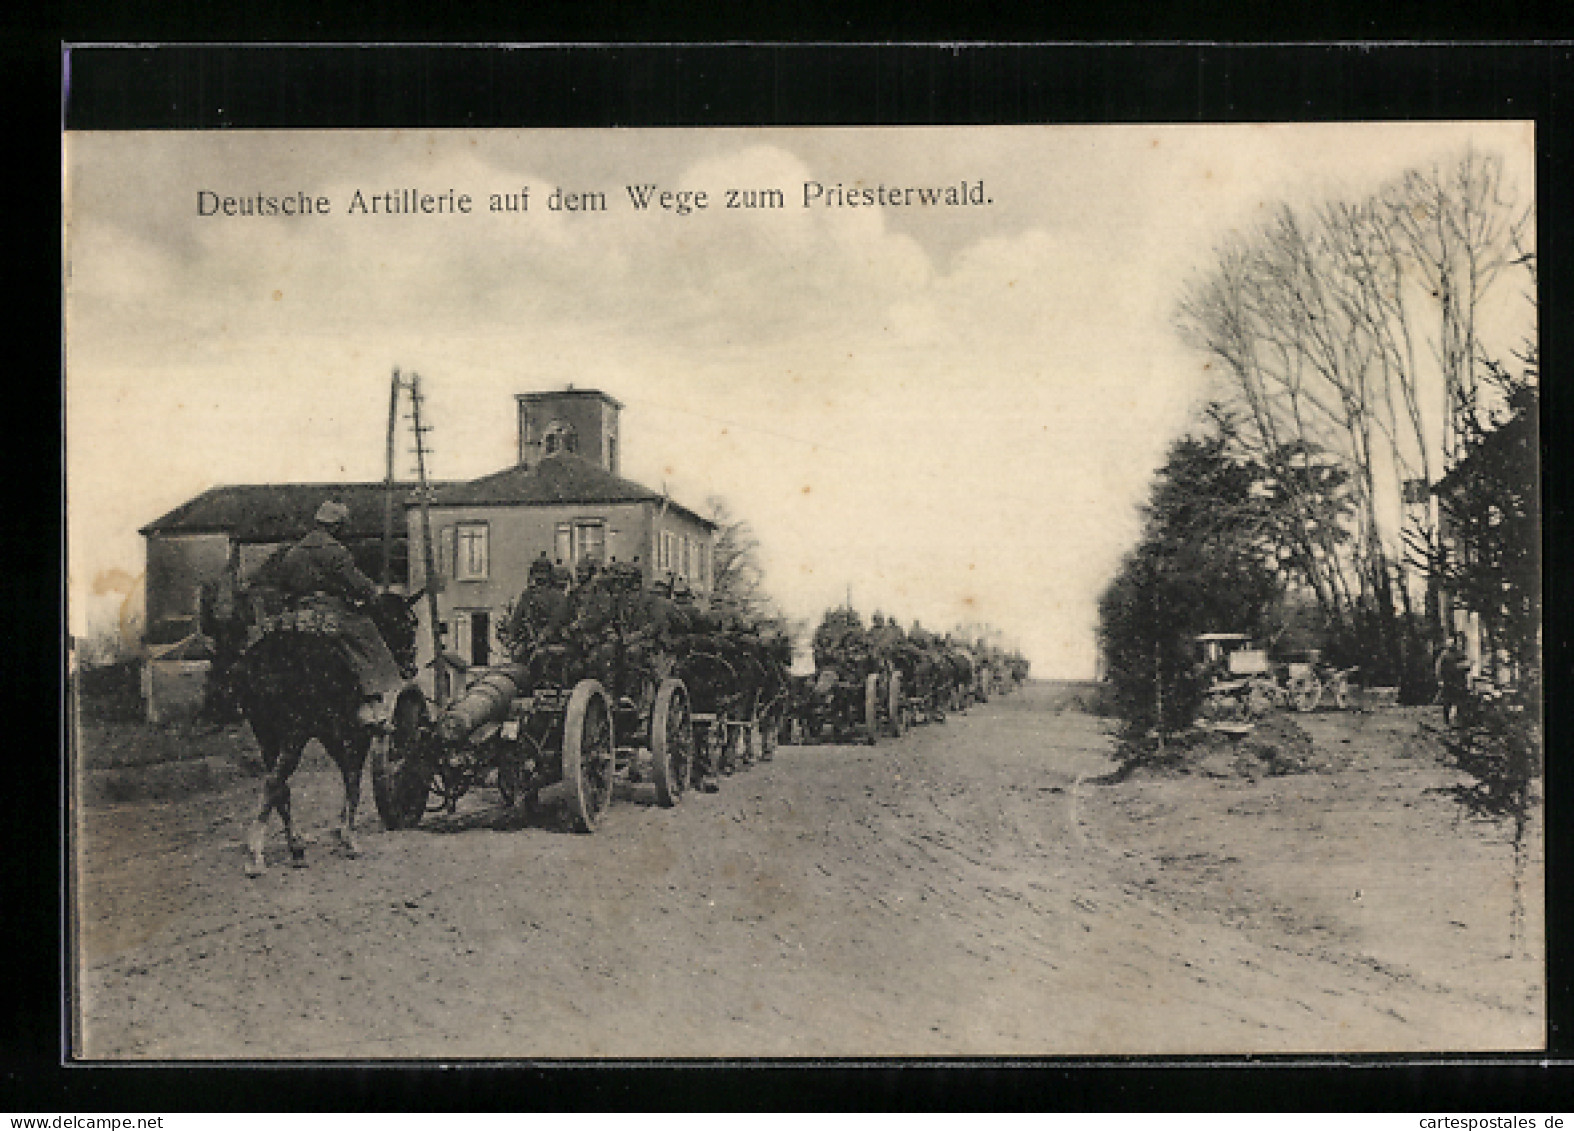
[671, 742]
[768, 733]
[1305, 692]
[401, 777]
[589, 750]
[895, 705]
[871, 709]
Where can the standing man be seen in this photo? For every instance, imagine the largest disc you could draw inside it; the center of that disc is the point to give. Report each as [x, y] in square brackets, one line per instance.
[1453, 679]
[319, 573]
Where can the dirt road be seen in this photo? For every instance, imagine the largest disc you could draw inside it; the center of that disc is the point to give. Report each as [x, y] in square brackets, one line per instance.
[968, 889]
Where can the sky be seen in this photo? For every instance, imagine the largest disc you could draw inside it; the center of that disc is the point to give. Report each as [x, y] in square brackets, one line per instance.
[951, 413]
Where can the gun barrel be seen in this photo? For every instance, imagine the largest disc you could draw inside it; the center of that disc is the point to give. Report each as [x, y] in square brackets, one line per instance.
[486, 700]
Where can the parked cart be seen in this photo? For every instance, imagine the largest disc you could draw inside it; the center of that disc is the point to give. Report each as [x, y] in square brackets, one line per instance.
[1246, 684]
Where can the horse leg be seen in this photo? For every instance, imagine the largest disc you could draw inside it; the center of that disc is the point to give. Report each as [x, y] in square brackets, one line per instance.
[276, 796]
[350, 754]
[297, 845]
[268, 741]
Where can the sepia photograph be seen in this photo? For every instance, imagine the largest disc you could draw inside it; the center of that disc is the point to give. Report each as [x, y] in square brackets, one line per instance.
[860, 592]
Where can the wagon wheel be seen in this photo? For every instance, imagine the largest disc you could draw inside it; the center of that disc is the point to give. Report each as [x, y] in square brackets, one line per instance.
[671, 742]
[737, 748]
[588, 752]
[1259, 700]
[401, 776]
[1339, 688]
[871, 708]
[769, 734]
[895, 705]
[1305, 692]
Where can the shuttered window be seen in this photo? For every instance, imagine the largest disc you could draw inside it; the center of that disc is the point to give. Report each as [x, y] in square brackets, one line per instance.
[472, 559]
[445, 553]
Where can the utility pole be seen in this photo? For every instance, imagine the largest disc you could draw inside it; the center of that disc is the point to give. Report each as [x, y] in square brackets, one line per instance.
[429, 558]
[388, 482]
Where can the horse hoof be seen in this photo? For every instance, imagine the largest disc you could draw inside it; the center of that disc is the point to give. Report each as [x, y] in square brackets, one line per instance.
[255, 868]
[297, 858]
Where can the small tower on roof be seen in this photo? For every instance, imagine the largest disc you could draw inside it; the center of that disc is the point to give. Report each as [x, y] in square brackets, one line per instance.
[583, 422]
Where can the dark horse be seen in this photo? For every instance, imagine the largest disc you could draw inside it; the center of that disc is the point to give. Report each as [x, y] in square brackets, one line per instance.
[294, 686]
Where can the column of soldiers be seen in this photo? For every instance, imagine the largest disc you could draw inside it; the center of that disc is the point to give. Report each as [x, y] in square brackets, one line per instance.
[598, 622]
[603, 623]
[937, 669]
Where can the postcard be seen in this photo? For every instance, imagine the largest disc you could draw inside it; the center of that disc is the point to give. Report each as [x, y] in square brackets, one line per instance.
[1031, 591]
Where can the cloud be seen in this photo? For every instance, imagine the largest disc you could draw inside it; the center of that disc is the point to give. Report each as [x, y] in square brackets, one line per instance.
[955, 412]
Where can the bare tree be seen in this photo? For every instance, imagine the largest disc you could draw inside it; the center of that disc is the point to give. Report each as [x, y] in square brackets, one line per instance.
[1333, 326]
[738, 586]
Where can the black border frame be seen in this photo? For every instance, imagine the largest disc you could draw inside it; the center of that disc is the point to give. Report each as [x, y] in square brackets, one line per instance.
[194, 86]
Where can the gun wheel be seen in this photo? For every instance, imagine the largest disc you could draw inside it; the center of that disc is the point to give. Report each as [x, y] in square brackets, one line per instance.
[671, 742]
[871, 709]
[588, 755]
[894, 705]
[401, 775]
[1305, 692]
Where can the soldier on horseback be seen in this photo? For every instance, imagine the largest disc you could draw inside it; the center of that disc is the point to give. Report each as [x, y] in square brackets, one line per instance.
[318, 574]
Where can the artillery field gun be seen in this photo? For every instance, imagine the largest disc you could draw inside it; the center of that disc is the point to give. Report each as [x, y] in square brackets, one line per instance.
[607, 683]
[875, 680]
[610, 682]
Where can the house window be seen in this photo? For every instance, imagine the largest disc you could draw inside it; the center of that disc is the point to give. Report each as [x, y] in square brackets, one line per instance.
[563, 544]
[559, 437]
[590, 541]
[471, 556]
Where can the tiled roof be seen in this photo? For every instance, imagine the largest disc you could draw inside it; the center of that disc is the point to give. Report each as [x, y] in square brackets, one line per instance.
[277, 512]
[560, 478]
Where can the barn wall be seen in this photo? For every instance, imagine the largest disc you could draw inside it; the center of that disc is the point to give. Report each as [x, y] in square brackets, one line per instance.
[177, 567]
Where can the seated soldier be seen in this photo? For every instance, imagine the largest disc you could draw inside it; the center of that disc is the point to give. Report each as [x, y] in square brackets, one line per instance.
[540, 616]
[319, 572]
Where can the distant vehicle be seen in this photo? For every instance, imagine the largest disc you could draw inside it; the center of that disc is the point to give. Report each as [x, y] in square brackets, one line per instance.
[1246, 684]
